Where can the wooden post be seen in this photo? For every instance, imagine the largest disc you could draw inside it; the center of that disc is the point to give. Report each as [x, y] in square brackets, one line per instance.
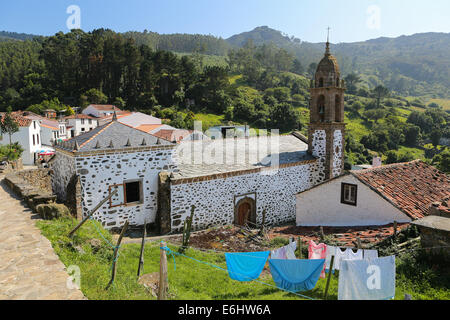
[300, 248]
[329, 278]
[92, 212]
[322, 234]
[141, 257]
[163, 282]
[116, 251]
[395, 229]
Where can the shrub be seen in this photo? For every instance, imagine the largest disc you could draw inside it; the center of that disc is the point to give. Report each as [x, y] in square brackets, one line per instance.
[52, 211]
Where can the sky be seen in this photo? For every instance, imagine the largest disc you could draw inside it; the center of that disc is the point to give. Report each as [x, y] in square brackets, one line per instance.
[349, 20]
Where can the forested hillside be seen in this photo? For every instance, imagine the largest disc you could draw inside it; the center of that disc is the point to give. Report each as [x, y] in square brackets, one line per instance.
[260, 84]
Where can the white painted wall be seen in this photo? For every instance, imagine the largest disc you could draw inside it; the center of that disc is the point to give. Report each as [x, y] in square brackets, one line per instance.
[78, 125]
[25, 138]
[321, 206]
[214, 199]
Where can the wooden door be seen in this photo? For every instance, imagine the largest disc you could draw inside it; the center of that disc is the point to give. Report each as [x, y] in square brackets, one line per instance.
[243, 213]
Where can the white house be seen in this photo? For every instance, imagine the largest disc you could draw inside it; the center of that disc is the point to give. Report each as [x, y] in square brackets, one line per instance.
[28, 136]
[79, 123]
[100, 110]
[51, 130]
[379, 196]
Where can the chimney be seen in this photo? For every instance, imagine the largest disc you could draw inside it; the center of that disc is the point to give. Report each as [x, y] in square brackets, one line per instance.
[376, 162]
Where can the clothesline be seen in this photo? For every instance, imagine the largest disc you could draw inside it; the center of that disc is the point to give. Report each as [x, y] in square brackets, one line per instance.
[226, 270]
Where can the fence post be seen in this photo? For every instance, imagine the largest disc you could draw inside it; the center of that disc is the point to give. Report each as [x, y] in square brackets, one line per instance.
[300, 255]
[141, 257]
[116, 252]
[163, 282]
[329, 277]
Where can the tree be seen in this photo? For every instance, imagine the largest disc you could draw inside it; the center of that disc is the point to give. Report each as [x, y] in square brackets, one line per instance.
[312, 69]
[8, 125]
[380, 93]
[351, 80]
[284, 117]
[435, 136]
[94, 96]
[442, 160]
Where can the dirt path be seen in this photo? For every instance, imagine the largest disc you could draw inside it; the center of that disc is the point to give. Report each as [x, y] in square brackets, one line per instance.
[29, 268]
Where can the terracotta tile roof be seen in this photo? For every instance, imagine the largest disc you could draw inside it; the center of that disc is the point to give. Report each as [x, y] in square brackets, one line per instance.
[19, 118]
[80, 116]
[345, 236]
[411, 187]
[149, 127]
[105, 107]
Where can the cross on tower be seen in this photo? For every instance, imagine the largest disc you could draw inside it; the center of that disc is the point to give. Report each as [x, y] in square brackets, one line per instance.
[328, 35]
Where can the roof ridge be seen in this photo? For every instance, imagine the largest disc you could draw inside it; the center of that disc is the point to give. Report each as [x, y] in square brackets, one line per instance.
[386, 166]
[95, 135]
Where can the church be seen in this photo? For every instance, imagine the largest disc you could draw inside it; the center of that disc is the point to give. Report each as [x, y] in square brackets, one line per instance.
[251, 179]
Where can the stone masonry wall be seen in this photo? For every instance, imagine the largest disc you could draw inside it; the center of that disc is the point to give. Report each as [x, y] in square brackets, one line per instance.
[63, 168]
[337, 154]
[98, 172]
[215, 199]
[39, 178]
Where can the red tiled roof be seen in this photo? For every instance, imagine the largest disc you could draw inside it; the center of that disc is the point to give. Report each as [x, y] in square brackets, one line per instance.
[105, 107]
[172, 134]
[80, 116]
[19, 118]
[149, 127]
[411, 187]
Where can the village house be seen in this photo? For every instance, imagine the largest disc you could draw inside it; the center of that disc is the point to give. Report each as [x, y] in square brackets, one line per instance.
[79, 123]
[238, 180]
[400, 192]
[28, 136]
[51, 130]
[100, 110]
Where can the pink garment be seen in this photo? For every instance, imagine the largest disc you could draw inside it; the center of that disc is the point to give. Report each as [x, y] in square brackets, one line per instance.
[318, 251]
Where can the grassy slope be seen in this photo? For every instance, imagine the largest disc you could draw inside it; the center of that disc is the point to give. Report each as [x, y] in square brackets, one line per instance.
[190, 280]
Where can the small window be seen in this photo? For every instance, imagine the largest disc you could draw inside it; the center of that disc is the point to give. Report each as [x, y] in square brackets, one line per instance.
[82, 121]
[34, 140]
[128, 193]
[37, 137]
[133, 192]
[34, 124]
[90, 121]
[349, 194]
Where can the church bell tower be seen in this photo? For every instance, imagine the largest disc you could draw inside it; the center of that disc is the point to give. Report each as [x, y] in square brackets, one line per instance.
[326, 126]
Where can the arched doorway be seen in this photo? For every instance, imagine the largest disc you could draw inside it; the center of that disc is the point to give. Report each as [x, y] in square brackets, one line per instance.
[245, 210]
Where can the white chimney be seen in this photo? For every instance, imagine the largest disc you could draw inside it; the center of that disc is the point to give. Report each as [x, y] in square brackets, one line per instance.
[376, 162]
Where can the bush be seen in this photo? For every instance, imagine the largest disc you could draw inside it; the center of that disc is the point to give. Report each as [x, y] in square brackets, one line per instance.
[11, 152]
[52, 211]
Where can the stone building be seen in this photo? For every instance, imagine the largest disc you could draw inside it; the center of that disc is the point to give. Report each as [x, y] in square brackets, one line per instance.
[238, 180]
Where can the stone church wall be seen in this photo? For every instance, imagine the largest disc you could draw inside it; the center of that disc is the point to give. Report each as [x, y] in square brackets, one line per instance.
[214, 199]
[337, 154]
[98, 172]
[62, 169]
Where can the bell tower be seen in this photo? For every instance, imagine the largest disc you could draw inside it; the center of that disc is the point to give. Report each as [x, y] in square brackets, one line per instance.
[326, 125]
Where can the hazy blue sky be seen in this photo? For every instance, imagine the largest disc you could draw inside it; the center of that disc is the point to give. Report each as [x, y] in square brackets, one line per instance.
[350, 20]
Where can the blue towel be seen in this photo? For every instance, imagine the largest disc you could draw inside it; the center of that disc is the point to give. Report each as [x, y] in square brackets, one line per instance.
[246, 266]
[296, 275]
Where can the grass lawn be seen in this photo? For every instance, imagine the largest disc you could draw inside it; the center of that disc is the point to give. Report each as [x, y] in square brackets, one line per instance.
[190, 280]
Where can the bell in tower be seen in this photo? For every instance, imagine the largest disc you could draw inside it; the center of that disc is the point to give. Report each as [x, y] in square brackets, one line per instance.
[326, 127]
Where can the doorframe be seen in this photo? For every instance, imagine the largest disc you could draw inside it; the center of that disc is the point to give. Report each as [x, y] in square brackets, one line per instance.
[244, 197]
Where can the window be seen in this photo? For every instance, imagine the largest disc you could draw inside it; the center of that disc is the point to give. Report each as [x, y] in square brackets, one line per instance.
[37, 138]
[133, 192]
[34, 140]
[82, 121]
[90, 121]
[129, 193]
[34, 124]
[349, 194]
